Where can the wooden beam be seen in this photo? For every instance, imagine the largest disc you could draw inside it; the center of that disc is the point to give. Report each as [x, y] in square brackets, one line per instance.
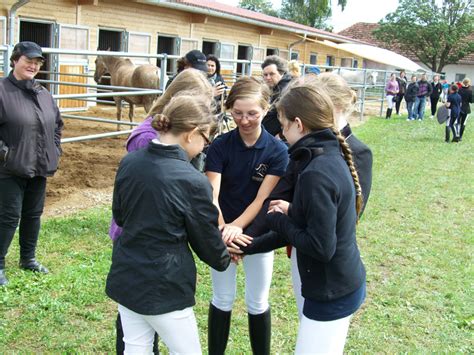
[266, 31]
[198, 18]
[88, 2]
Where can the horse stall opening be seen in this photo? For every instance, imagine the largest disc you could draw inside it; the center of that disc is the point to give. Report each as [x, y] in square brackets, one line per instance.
[42, 34]
[243, 52]
[168, 45]
[211, 47]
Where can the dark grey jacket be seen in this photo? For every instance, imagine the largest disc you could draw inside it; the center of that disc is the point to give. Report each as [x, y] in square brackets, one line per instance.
[164, 206]
[30, 125]
[270, 121]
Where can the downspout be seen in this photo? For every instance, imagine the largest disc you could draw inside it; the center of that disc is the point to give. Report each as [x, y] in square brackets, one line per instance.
[11, 20]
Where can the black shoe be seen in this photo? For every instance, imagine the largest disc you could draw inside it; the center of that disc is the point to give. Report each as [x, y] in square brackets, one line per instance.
[217, 330]
[3, 278]
[33, 265]
[260, 329]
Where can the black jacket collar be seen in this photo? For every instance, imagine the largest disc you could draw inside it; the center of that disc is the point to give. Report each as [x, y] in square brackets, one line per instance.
[170, 151]
[26, 85]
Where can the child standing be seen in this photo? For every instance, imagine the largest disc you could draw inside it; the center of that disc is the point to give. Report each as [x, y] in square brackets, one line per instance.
[410, 98]
[454, 104]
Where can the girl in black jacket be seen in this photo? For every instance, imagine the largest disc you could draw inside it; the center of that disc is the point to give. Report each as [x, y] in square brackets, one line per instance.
[466, 99]
[321, 219]
[164, 206]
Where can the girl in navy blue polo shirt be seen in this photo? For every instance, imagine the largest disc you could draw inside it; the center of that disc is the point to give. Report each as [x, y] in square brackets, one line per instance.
[243, 166]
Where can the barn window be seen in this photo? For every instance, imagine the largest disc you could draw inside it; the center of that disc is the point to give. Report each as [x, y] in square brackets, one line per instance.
[211, 47]
[459, 77]
[244, 52]
[113, 40]
[330, 60]
[295, 55]
[313, 59]
[171, 46]
[139, 43]
[355, 63]
[346, 62]
[71, 37]
[272, 51]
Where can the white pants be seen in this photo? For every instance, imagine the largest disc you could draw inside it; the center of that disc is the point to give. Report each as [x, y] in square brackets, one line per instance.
[295, 276]
[177, 329]
[258, 277]
[315, 337]
[390, 102]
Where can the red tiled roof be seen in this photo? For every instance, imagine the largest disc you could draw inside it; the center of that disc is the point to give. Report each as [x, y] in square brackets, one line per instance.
[362, 31]
[252, 15]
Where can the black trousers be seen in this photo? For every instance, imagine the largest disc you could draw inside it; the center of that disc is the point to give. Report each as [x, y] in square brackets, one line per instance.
[21, 200]
[398, 102]
[434, 103]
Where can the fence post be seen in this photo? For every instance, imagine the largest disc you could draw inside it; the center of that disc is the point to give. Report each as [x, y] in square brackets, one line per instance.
[163, 66]
[362, 99]
[383, 94]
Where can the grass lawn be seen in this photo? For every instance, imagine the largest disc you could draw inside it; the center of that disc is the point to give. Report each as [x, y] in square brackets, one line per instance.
[416, 239]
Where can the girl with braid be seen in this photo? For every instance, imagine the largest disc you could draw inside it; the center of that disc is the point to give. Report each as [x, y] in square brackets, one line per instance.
[320, 222]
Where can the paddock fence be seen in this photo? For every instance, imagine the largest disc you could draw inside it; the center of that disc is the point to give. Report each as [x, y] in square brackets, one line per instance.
[71, 82]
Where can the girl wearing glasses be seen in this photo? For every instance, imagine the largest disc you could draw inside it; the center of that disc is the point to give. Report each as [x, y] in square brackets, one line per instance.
[164, 206]
[243, 166]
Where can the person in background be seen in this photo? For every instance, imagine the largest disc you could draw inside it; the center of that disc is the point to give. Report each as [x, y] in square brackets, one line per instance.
[424, 91]
[445, 87]
[30, 146]
[466, 99]
[410, 98]
[276, 76]
[164, 207]
[436, 90]
[294, 68]
[402, 87]
[141, 136]
[243, 166]
[454, 104]
[391, 92]
[321, 220]
[215, 78]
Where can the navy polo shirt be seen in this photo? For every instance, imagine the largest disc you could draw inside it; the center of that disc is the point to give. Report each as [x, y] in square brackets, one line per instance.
[243, 168]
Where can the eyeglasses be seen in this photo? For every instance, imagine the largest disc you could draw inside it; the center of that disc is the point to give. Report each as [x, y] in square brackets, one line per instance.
[249, 116]
[35, 62]
[207, 141]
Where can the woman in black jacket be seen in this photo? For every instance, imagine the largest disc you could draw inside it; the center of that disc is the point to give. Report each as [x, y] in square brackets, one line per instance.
[467, 98]
[321, 220]
[30, 146]
[164, 206]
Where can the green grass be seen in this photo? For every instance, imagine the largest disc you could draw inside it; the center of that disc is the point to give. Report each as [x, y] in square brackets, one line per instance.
[416, 239]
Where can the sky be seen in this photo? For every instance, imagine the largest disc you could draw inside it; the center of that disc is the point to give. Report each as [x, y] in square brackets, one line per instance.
[355, 11]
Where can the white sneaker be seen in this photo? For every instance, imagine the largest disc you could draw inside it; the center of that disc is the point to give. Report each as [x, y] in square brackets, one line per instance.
[408, 119]
[431, 116]
[419, 119]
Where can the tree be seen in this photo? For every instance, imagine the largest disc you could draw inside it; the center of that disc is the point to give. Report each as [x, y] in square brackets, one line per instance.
[313, 13]
[436, 35]
[262, 6]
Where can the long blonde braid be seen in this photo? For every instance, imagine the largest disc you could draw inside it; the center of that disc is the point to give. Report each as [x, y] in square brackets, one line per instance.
[348, 158]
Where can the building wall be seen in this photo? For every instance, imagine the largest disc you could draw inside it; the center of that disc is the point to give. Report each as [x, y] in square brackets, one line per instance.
[453, 69]
[148, 19]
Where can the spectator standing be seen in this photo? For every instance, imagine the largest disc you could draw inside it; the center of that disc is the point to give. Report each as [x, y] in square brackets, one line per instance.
[402, 87]
[391, 92]
[424, 91]
[276, 76]
[467, 98]
[445, 87]
[30, 146]
[436, 90]
[454, 104]
[410, 98]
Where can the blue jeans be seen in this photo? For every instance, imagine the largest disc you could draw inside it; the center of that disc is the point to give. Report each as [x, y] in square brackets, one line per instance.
[410, 108]
[420, 104]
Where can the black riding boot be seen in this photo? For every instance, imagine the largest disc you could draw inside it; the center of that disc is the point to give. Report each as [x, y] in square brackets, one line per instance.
[389, 113]
[260, 329]
[461, 132]
[447, 130]
[217, 330]
[455, 134]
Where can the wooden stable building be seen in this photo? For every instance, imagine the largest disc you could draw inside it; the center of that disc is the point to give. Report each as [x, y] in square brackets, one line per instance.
[166, 26]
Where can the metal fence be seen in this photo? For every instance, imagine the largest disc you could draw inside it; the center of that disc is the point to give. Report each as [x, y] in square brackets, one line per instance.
[369, 83]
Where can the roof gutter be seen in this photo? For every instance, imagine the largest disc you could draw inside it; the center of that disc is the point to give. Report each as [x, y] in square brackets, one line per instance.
[209, 12]
[291, 45]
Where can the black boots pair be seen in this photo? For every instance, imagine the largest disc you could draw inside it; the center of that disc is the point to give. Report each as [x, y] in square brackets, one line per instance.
[29, 264]
[456, 137]
[389, 113]
[219, 326]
